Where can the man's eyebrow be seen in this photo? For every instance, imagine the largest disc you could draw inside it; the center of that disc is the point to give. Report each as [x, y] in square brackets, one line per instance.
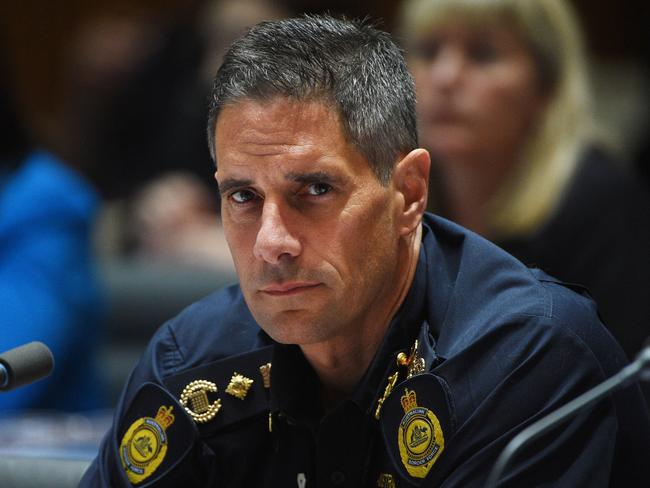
[230, 183]
[299, 177]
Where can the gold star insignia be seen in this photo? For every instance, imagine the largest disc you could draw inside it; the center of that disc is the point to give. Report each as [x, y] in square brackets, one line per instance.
[239, 386]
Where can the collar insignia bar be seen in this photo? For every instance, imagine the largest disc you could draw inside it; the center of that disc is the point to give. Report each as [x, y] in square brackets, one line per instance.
[420, 438]
[265, 371]
[239, 386]
[144, 445]
[414, 363]
[194, 399]
[392, 379]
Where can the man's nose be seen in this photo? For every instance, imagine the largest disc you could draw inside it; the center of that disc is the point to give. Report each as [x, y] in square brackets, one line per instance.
[274, 237]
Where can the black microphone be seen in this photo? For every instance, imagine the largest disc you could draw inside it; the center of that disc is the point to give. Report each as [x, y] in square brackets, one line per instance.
[25, 364]
[639, 369]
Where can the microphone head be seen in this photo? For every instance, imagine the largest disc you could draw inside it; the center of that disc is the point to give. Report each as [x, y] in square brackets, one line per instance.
[25, 364]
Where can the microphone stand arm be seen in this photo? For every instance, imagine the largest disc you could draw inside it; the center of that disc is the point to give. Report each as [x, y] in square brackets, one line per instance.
[640, 368]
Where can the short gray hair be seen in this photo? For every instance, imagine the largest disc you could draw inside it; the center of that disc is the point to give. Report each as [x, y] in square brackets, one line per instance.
[351, 64]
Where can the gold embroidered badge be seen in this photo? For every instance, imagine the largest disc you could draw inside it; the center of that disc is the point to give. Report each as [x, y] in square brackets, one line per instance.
[420, 437]
[194, 399]
[144, 445]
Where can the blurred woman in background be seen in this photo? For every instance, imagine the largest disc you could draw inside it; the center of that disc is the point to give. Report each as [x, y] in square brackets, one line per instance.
[505, 109]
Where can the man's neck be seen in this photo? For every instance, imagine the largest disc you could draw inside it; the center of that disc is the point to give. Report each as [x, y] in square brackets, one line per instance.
[340, 363]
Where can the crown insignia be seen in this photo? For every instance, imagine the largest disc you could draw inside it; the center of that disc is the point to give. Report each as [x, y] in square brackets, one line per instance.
[409, 400]
[164, 417]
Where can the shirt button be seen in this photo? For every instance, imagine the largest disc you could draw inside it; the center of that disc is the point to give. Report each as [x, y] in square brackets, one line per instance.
[337, 478]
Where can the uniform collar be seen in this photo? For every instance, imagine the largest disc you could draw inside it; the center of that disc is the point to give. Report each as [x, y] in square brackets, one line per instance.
[294, 385]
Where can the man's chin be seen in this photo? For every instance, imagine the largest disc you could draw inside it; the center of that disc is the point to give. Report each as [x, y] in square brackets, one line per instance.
[294, 327]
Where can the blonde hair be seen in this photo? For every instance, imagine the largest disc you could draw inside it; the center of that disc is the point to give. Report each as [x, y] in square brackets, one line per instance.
[550, 27]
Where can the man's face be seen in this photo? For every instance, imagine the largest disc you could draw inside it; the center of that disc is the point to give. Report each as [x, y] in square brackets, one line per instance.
[311, 230]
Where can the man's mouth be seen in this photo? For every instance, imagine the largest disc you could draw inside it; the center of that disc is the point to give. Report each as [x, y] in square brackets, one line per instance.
[289, 288]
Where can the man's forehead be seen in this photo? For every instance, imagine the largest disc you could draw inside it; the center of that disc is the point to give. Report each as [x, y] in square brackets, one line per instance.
[282, 135]
[252, 120]
[286, 139]
[280, 126]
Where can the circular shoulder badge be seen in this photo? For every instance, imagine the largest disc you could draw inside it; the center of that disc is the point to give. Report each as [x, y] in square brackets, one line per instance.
[144, 445]
[419, 437]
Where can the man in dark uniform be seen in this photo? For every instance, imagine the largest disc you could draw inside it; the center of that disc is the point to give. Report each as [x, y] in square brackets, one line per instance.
[368, 343]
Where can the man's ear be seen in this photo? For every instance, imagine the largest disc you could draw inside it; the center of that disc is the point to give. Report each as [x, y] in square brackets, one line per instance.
[411, 182]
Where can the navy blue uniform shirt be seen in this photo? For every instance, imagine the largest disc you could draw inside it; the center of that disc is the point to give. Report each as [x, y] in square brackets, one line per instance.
[498, 347]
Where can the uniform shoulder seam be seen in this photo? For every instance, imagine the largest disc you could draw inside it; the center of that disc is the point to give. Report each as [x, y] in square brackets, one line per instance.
[174, 358]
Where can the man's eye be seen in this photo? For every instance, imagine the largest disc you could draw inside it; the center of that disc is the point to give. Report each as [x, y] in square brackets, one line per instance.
[242, 196]
[316, 189]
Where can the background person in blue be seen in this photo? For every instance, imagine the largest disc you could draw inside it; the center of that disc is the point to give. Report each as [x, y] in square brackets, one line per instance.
[368, 343]
[48, 288]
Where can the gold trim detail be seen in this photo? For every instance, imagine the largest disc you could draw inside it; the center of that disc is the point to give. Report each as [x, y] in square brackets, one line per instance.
[413, 362]
[386, 480]
[392, 380]
[265, 371]
[239, 386]
[194, 399]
